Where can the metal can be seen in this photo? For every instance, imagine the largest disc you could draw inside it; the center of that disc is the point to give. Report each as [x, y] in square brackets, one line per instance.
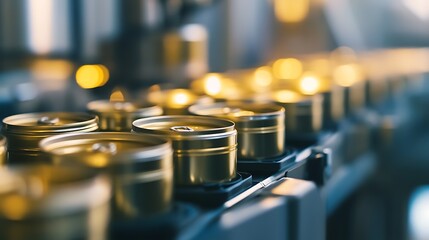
[3, 148]
[176, 101]
[205, 148]
[46, 202]
[260, 127]
[118, 116]
[24, 131]
[140, 167]
[304, 114]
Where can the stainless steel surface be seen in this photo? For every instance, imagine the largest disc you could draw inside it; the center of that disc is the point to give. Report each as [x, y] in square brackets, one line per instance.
[140, 167]
[118, 116]
[53, 203]
[260, 127]
[205, 148]
[24, 131]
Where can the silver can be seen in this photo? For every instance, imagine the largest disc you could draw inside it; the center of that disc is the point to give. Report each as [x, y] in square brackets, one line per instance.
[118, 116]
[24, 132]
[205, 148]
[140, 167]
[53, 203]
[260, 127]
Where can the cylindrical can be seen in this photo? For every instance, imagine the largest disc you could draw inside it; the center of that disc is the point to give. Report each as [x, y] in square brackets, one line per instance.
[141, 167]
[304, 114]
[3, 149]
[24, 132]
[46, 202]
[205, 148]
[260, 127]
[118, 116]
[176, 101]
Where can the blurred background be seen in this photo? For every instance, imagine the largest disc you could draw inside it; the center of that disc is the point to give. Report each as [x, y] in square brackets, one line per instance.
[57, 55]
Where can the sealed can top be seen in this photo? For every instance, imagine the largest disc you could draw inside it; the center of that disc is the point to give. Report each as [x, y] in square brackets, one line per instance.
[181, 126]
[46, 191]
[116, 147]
[106, 107]
[49, 122]
[239, 111]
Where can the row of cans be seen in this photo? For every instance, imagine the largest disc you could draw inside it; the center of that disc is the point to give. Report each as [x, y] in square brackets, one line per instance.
[142, 166]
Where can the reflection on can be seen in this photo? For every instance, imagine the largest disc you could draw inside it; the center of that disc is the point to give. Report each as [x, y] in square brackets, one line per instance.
[24, 131]
[118, 116]
[205, 148]
[260, 127]
[53, 203]
[303, 114]
[3, 148]
[140, 167]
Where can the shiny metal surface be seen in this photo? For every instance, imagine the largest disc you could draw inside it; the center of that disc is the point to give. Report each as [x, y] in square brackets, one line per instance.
[118, 116]
[53, 203]
[140, 167]
[205, 148]
[3, 148]
[24, 131]
[304, 114]
[260, 127]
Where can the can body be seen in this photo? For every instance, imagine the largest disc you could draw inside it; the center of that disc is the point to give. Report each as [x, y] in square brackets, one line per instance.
[3, 148]
[260, 127]
[118, 116]
[140, 167]
[66, 208]
[24, 132]
[304, 115]
[205, 148]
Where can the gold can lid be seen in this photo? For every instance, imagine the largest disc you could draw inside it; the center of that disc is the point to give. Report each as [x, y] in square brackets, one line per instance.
[105, 107]
[182, 126]
[116, 148]
[45, 191]
[49, 122]
[239, 111]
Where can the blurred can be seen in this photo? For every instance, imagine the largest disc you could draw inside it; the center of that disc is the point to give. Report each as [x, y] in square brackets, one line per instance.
[260, 127]
[24, 132]
[53, 203]
[205, 148]
[304, 114]
[175, 101]
[3, 149]
[118, 116]
[140, 167]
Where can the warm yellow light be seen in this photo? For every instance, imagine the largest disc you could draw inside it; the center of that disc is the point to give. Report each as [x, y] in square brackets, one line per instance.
[117, 96]
[291, 11]
[289, 68]
[51, 69]
[347, 75]
[263, 77]
[309, 84]
[287, 96]
[92, 76]
[212, 84]
[178, 98]
[14, 207]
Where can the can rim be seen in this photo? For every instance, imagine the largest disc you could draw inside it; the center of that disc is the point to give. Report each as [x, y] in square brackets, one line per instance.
[225, 126]
[277, 111]
[88, 121]
[161, 146]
